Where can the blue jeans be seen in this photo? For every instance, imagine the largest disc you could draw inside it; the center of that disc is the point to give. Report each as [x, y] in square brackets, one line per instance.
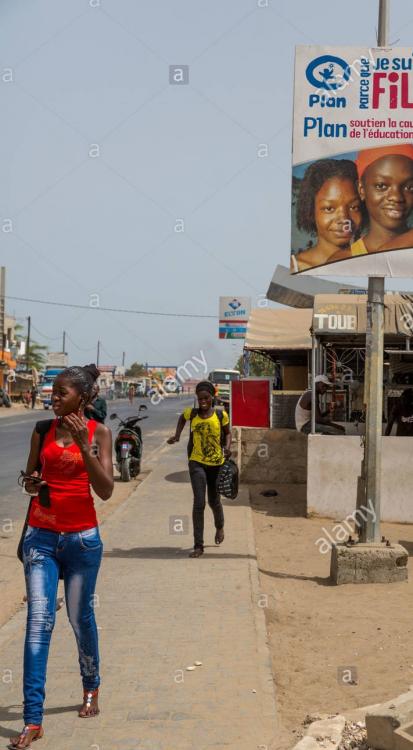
[45, 554]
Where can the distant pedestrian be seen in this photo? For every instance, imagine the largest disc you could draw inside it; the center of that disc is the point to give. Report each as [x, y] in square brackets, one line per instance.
[33, 395]
[402, 414]
[97, 408]
[62, 538]
[323, 423]
[131, 393]
[209, 446]
[4, 399]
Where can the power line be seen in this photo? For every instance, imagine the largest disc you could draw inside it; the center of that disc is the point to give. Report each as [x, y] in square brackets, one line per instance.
[112, 309]
[44, 335]
[79, 347]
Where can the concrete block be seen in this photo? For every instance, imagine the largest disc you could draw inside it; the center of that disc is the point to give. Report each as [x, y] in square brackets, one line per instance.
[368, 563]
[382, 723]
[403, 737]
[319, 732]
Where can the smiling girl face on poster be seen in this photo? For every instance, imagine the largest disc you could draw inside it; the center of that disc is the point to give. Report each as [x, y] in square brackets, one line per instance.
[328, 208]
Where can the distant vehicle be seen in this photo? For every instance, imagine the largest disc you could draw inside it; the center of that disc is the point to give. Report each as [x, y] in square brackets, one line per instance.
[222, 380]
[140, 388]
[128, 445]
[170, 384]
[46, 385]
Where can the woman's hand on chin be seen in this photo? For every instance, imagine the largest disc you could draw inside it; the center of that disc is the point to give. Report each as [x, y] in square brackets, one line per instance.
[77, 429]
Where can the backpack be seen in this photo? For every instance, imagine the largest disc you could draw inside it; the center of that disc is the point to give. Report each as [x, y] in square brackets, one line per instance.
[228, 479]
[194, 413]
[42, 428]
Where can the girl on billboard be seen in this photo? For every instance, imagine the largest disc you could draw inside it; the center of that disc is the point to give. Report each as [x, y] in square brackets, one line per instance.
[328, 206]
[386, 189]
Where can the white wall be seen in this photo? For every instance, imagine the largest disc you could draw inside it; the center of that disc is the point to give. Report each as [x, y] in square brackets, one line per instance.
[334, 465]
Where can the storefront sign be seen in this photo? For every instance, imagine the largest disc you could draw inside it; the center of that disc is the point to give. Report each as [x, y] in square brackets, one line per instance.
[233, 317]
[352, 200]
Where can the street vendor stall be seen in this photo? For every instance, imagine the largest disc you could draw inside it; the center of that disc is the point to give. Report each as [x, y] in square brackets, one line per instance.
[334, 462]
[339, 328]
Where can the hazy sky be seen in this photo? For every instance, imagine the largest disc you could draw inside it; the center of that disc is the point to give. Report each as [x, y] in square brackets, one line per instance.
[101, 156]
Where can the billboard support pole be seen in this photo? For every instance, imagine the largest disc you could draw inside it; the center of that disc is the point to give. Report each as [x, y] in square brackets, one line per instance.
[374, 369]
[313, 374]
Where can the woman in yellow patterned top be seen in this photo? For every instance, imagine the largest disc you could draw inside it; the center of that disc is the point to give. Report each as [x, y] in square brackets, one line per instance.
[209, 446]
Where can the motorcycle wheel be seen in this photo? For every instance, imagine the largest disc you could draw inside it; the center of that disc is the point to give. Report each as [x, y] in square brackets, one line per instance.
[125, 470]
[135, 467]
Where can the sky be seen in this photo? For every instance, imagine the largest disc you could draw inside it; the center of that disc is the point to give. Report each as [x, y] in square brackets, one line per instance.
[121, 189]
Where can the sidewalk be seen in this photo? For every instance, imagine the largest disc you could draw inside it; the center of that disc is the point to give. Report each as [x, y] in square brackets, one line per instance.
[158, 612]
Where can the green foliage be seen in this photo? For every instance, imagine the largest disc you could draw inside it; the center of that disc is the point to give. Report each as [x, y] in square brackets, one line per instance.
[37, 354]
[260, 366]
[136, 370]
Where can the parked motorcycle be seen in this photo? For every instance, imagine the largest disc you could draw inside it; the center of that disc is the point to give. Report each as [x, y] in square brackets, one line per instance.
[128, 445]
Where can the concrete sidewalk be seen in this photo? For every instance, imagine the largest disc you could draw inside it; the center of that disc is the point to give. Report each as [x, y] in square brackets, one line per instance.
[158, 612]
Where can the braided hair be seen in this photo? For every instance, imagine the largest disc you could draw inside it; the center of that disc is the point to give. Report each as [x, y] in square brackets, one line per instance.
[82, 379]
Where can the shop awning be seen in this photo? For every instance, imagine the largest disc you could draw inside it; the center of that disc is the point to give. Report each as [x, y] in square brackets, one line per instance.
[279, 330]
[299, 290]
[347, 314]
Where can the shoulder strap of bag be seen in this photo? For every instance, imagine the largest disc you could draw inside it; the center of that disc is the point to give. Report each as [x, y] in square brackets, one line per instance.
[220, 415]
[190, 445]
[42, 428]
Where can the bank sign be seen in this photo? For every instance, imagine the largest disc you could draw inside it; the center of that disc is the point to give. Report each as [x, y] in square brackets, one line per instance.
[352, 182]
[233, 317]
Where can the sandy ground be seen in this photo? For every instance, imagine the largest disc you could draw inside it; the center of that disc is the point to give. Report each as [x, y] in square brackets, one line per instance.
[315, 628]
[12, 588]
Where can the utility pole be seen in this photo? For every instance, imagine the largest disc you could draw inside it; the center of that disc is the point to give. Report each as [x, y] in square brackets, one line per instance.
[98, 354]
[370, 531]
[29, 322]
[123, 358]
[64, 343]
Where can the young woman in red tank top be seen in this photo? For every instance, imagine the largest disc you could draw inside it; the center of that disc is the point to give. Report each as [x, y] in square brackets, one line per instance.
[62, 539]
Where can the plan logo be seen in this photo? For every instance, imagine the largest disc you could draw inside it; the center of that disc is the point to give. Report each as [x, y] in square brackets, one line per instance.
[328, 72]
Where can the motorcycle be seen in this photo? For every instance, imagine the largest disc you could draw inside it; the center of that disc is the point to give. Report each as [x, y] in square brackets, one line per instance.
[128, 445]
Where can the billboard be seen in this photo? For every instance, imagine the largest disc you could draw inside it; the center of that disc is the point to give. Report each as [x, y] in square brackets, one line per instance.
[162, 372]
[352, 177]
[233, 317]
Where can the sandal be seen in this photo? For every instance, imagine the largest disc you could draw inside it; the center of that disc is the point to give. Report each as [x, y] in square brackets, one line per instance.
[30, 733]
[197, 552]
[219, 536]
[90, 705]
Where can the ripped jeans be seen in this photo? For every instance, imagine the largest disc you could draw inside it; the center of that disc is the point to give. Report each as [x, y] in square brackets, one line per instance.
[77, 556]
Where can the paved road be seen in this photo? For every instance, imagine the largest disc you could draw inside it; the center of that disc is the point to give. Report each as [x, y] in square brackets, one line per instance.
[15, 434]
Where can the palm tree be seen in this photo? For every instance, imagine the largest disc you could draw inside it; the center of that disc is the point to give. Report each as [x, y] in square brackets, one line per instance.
[36, 355]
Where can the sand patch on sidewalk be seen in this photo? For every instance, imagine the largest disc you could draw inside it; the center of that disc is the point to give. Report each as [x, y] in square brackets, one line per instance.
[316, 628]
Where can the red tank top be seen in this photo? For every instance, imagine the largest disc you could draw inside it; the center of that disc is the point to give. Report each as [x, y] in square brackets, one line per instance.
[71, 502]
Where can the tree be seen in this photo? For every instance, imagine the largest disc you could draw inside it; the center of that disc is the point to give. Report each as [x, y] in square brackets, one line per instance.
[260, 365]
[136, 370]
[36, 356]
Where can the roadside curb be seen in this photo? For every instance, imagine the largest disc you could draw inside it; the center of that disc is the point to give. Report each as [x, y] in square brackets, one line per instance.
[266, 674]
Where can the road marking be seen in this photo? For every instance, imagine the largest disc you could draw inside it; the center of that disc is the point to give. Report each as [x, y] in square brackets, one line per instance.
[21, 421]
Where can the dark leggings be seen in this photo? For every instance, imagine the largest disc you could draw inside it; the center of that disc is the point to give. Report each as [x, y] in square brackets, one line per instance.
[204, 477]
